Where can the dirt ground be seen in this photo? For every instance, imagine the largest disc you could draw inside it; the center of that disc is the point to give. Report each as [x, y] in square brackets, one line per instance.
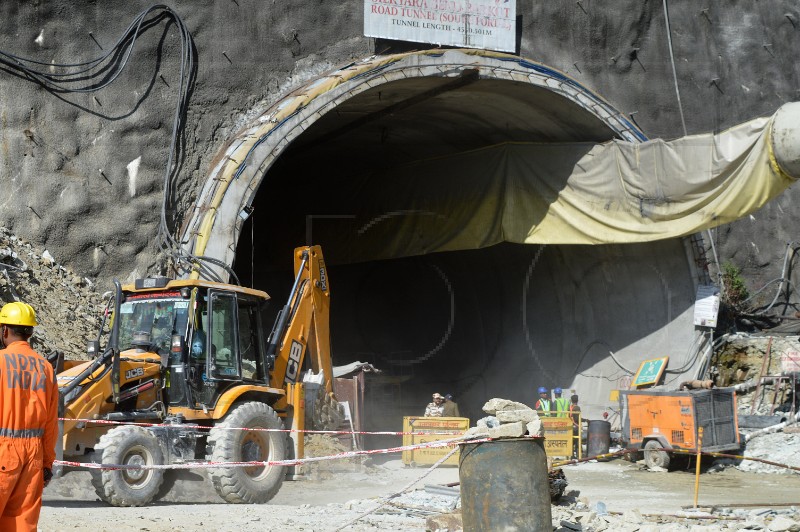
[327, 504]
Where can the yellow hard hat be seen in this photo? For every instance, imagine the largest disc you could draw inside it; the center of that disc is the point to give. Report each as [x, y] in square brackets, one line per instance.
[18, 313]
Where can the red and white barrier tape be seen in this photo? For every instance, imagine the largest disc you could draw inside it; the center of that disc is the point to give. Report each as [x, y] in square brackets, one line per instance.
[204, 427]
[300, 461]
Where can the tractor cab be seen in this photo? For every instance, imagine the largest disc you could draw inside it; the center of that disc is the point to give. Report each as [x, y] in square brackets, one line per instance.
[207, 337]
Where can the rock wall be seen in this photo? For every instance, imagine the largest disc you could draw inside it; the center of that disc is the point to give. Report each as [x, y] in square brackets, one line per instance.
[68, 309]
[83, 174]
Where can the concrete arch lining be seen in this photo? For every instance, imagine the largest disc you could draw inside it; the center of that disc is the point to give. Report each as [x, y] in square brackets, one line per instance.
[240, 169]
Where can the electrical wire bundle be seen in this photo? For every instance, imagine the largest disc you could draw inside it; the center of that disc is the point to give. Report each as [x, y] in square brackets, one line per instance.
[96, 74]
[784, 280]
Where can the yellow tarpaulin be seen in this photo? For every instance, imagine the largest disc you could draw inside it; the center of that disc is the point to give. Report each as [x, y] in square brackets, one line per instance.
[577, 193]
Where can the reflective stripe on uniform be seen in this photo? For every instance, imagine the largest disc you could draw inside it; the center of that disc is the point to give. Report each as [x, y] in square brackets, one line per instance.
[21, 433]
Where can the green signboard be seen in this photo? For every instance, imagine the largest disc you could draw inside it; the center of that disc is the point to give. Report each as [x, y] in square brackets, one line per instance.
[650, 372]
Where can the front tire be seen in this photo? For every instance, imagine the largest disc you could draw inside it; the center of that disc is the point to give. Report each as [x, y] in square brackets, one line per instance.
[655, 456]
[252, 485]
[128, 445]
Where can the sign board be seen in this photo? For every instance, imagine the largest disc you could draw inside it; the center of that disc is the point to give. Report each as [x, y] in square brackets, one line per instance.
[706, 306]
[557, 436]
[486, 24]
[790, 361]
[431, 424]
[650, 372]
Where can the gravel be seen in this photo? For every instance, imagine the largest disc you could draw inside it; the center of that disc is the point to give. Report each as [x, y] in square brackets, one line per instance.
[579, 516]
[782, 447]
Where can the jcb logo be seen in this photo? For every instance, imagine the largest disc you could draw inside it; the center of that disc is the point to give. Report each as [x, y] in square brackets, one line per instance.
[293, 364]
[323, 278]
[133, 373]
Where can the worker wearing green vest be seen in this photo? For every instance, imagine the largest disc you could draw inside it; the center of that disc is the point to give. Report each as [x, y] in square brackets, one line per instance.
[544, 406]
[561, 404]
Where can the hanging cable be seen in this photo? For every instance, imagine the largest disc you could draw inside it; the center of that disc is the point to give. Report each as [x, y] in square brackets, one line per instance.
[784, 280]
[107, 67]
[93, 75]
[674, 72]
[603, 343]
[692, 352]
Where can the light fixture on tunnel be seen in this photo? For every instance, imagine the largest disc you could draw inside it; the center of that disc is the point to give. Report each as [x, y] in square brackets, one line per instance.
[245, 213]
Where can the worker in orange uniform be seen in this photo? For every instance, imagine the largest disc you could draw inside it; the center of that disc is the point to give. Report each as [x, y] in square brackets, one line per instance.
[28, 421]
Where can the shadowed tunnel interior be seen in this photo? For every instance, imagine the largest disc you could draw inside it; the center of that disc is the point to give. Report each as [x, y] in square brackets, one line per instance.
[478, 323]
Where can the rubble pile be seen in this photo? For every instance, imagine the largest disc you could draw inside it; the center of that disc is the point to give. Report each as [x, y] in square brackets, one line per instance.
[424, 502]
[507, 419]
[782, 447]
[68, 308]
[578, 515]
[326, 445]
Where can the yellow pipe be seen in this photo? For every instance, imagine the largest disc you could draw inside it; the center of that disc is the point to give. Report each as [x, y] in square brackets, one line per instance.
[697, 466]
[773, 162]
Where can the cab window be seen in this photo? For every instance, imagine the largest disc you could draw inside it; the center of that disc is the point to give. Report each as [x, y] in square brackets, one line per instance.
[252, 365]
[224, 348]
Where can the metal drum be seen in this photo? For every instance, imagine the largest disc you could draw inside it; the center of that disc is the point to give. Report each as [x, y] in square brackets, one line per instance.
[599, 437]
[504, 486]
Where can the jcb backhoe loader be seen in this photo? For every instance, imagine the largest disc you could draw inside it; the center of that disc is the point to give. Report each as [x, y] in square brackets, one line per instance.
[189, 352]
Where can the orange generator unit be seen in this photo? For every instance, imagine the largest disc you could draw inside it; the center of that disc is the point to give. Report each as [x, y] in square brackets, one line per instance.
[657, 420]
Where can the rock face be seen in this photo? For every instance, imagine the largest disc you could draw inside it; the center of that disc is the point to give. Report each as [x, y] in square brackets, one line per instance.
[741, 357]
[88, 175]
[68, 309]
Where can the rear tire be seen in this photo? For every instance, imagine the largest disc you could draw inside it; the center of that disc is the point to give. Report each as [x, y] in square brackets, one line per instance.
[128, 445]
[247, 484]
[655, 456]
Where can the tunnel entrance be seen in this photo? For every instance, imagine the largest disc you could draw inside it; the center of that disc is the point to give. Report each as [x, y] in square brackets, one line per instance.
[491, 320]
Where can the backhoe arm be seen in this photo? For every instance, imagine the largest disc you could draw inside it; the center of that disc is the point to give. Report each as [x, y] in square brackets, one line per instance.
[303, 326]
